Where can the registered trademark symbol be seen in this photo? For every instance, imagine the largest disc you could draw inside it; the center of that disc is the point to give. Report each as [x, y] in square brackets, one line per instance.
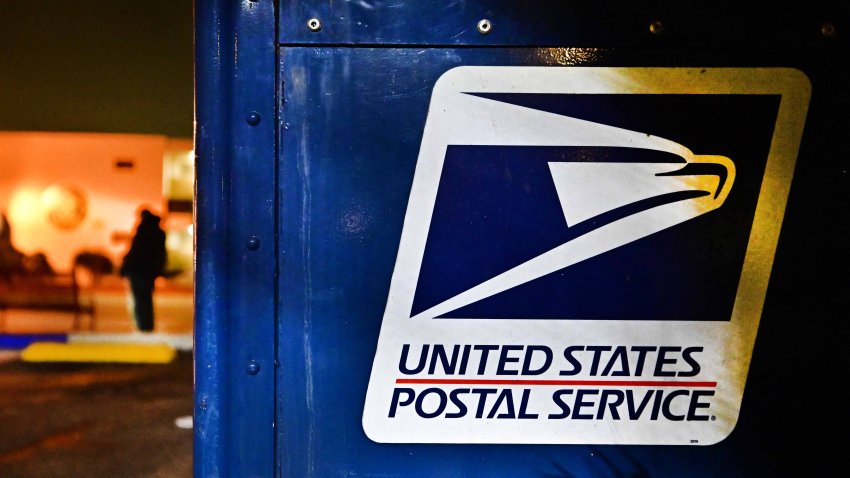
[713, 418]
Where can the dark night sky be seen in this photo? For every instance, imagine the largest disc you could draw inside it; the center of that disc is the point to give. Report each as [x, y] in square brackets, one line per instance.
[122, 66]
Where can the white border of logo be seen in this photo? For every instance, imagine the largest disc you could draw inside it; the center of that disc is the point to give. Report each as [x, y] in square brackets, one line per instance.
[457, 118]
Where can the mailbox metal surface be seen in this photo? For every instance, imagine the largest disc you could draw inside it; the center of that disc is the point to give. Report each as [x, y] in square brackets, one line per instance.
[498, 239]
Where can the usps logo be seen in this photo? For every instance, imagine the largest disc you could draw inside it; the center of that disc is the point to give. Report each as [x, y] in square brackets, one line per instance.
[585, 255]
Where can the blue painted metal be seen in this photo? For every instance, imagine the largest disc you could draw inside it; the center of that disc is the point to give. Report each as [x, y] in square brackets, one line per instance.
[351, 126]
[348, 104]
[235, 237]
[601, 23]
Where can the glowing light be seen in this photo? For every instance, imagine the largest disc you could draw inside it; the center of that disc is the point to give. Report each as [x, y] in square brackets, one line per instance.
[25, 207]
[65, 206]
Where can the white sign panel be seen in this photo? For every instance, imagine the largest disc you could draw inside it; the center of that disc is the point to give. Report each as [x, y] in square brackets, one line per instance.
[585, 255]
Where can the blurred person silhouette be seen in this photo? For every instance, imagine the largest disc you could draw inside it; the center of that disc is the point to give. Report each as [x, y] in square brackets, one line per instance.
[143, 263]
[11, 259]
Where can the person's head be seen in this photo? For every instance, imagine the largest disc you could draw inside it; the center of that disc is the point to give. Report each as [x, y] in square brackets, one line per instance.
[149, 217]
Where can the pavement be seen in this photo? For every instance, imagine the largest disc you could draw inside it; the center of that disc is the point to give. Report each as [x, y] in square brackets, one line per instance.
[98, 419]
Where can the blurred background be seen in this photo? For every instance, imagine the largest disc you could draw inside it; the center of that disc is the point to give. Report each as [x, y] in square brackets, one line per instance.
[96, 122]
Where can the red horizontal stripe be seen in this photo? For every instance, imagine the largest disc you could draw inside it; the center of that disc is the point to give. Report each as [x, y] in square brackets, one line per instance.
[620, 383]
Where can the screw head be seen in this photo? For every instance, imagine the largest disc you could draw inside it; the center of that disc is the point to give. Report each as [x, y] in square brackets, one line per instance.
[253, 243]
[314, 24]
[484, 26]
[253, 118]
[253, 368]
[827, 30]
[656, 27]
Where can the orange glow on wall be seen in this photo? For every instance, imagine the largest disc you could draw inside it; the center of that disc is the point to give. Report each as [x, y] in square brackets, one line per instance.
[33, 162]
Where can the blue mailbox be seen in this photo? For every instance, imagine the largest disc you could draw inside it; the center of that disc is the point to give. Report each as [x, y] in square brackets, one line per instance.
[489, 238]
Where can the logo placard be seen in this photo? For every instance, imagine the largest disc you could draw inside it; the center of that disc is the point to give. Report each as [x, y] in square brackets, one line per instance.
[585, 255]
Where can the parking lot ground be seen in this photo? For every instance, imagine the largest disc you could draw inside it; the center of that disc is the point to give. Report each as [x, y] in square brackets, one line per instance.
[95, 419]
